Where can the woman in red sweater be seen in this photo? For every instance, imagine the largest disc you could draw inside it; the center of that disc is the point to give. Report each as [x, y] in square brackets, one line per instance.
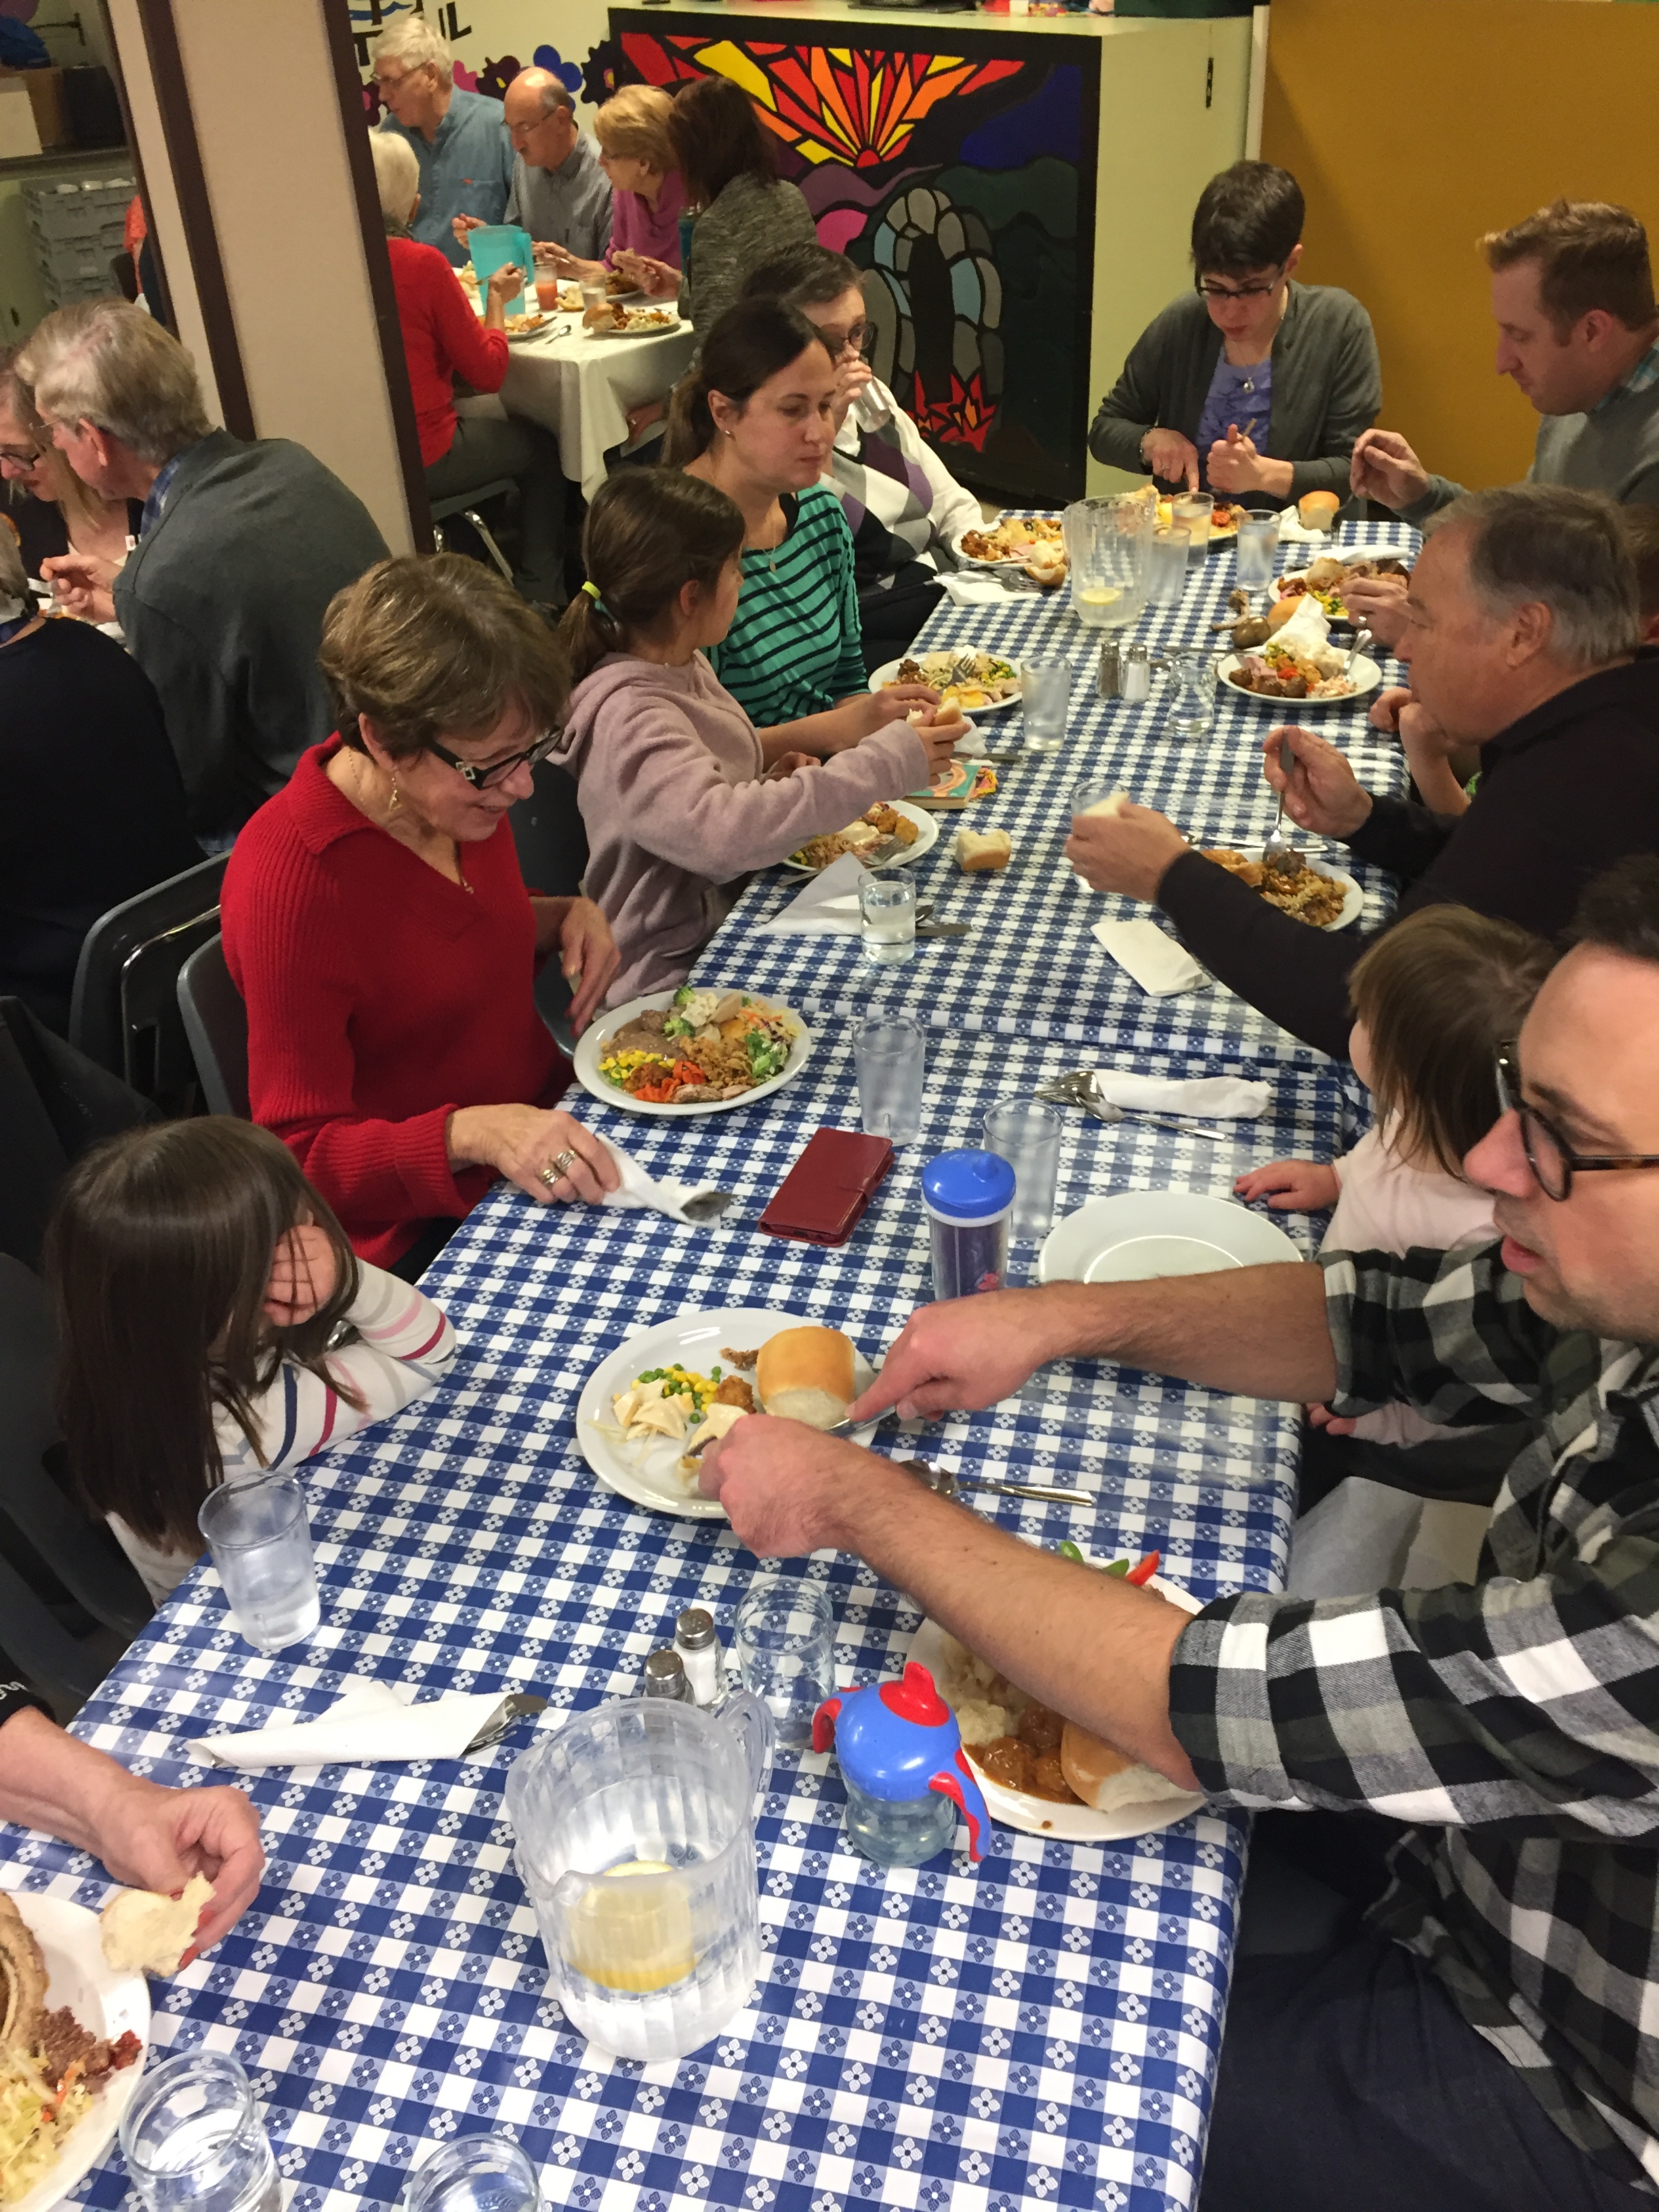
[381, 934]
[443, 339]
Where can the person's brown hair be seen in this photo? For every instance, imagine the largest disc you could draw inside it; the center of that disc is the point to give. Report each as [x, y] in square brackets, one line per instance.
[430, 645]
[1618, 910]
[804, 276]
[635, 124]
[1640, 526]
[1438, 994]
[157, 1256]
[1247, 218]
[716, 137]
[1589, 254]
[753, 342]
[649, 533]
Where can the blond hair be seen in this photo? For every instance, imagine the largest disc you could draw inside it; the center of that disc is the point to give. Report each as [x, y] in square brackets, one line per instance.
[103, 362]
[414, 42]
[397, 177]
[634, 123]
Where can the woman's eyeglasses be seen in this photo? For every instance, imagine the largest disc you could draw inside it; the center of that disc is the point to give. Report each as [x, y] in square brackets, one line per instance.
[482, 778]
[857, 338]
[1553, 1162]
[1208, 289]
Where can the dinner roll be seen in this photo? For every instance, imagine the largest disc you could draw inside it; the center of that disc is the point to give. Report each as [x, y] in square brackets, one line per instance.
[806, 1375]
[1283, 610]
[1106, 1777]
[1317, 509]
[141, 1932]
[980, 855]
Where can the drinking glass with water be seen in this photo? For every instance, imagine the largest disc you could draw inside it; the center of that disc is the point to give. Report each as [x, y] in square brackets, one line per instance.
[1192, 692]
[475, 2173]
[1258, 544]
[1045, 695]
[193, 2140]
[785, 1645]
[887, 919]
[891, 1052]
[260, 1539]
[1026, 1133]
[1166, 568]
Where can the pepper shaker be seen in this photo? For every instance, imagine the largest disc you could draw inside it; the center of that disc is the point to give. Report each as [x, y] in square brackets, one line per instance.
[1109, 681]
[664, 1677]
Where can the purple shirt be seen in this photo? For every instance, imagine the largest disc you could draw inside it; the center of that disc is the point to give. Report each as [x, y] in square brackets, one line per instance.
[1244, 396]
[636, 227]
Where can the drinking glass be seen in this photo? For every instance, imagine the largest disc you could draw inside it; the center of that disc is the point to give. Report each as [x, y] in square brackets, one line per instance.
[475, 2173]
[1046, 690]
[1083, 800]
[1258, 542]
[1191, 513]
[1192, 692]
[194, 2139]
[890, 1051]
[1166, 568]
[594, 291]
[260, 1539]
[887, 919]
[1027, 1134]
[785, 1642]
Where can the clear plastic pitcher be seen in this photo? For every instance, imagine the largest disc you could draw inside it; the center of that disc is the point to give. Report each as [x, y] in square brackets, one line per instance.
[635, 1834]
[1106, 542]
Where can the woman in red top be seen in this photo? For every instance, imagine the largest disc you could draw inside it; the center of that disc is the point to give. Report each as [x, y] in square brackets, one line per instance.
[443, 339]
[381, 934]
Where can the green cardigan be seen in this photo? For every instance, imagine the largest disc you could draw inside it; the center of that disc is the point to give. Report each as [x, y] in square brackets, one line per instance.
[1328, 385]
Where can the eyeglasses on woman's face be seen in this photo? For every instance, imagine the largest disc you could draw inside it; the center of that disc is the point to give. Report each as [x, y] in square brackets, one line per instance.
[1209, 287]
[852, 337]
[1552, 1161]
[493, 774]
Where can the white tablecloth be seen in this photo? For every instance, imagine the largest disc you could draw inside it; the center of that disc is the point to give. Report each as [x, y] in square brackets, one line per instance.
[581, 387]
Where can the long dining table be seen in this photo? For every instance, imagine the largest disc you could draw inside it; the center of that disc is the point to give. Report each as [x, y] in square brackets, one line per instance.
[1040, 2029]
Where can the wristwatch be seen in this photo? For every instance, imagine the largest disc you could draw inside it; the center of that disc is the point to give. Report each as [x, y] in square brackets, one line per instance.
[16, 1698]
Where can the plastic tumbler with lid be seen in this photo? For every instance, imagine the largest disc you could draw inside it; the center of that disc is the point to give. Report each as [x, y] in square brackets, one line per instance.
[969, 1196]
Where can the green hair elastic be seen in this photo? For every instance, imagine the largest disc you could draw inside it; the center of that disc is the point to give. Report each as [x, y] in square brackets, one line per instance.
[592, 591]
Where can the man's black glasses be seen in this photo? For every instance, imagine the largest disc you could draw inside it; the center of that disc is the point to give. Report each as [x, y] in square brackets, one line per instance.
[1553, 1162]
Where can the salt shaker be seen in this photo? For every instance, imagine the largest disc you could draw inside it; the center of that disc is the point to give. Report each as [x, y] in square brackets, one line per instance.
[665, 1677]
[699, 1649]
[1109, 681]
[1136, 676]
[969, 1196]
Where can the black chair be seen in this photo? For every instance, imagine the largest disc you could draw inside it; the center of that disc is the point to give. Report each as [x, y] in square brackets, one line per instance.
[54, 1104]
[552, 848]
[124, 1011]
[466, 505]
[215, 1022]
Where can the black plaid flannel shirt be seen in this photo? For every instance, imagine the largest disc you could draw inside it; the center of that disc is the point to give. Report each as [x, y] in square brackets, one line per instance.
[1515, 1721]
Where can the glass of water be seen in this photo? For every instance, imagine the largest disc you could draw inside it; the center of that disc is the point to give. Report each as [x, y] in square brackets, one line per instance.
[1192, 692]
[1026, 1133]
[1193, 512]
[891, 1052]
[1046, 694]
[887, 919]
[260, 1539]
[785, 1642]
[1258, 543]
[475, 2173]
[194, 2139]
[1166, 568]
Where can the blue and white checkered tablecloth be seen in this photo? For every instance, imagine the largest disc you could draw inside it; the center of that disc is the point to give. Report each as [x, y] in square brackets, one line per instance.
[1030, 963]
[1041, 2031]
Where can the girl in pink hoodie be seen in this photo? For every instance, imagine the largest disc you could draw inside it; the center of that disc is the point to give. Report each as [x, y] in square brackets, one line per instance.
[680, 794]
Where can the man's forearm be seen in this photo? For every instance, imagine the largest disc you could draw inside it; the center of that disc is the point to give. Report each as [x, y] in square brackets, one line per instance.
[50, 1781]
[1261, 1332]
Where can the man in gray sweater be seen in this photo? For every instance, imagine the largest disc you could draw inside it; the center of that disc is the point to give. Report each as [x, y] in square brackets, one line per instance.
[241, 547]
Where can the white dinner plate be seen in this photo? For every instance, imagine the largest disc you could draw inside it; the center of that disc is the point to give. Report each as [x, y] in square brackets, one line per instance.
[888, 672]
[1365, 676]
[1037, 1816]
[1002, 560]
[1139, 1235]
[649, 331]
[1353, 898]
[586, 1062]
[927, 837]
[648, 1474]
[109, 2004]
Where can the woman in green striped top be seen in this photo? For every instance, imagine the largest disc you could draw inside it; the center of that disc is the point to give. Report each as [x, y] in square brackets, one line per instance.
[756, 419]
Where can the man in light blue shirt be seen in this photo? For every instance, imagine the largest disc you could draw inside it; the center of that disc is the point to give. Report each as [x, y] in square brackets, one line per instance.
[459, 138]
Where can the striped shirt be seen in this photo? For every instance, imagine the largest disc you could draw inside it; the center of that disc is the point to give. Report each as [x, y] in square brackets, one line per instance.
[795, 645]
[403, 1348]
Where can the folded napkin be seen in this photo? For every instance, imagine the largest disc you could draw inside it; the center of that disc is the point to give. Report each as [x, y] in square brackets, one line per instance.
[372, 1721]
[1213, 1097]
[1156, 963]
[637, 1189]
[1308, 629]
[1292, 531]
[967, 587]
[829, 907]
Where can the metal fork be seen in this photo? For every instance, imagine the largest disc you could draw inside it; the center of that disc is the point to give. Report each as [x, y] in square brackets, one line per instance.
[1078, 1090]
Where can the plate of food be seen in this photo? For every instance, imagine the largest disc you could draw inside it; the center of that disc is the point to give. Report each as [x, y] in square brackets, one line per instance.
[1224, 518]
[1311, 676]
[1039, 1773]
[1034, 543]
[899, 833]
[1324, 581]
[525, 326]
[684, 1052]
[647, 1413]
[978, 683]
[72, 2049]
[1141, 1235]
[1324, 898]
[613, 321]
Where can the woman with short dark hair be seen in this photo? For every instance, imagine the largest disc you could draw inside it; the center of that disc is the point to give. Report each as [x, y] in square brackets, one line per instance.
[1255, 386]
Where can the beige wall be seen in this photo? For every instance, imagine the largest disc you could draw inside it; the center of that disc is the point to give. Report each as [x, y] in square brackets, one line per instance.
[497, 29]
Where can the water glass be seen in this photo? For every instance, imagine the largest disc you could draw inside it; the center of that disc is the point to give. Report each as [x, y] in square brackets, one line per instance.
[1258, 543]
[475, 2173]
[890, 1053]
[887, 919]
[1192, 512]
[1166, 568]
[595, 292]
[785, 1643]
[260, 1539]
[1192, 692]
[194, 2139]
[1026, 1133]
[1046, 688]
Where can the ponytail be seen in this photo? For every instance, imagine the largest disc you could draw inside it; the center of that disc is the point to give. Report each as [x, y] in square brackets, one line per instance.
[649, 533]
[752, 341]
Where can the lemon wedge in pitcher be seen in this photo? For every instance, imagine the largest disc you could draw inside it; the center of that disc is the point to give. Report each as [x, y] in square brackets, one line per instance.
[1098, 595]
[624, 1937]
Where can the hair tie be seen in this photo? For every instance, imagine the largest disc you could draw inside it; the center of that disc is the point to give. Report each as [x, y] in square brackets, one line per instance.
[592, 591]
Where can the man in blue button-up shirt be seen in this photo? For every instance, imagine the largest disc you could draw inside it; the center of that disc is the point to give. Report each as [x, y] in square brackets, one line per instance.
[459, 138]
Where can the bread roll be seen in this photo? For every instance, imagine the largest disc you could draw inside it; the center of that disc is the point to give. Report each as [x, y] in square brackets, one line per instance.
[806, 1375]
[143, 1932]
[1105, 1777]
[1283, 610]
[982, 854]
[1317, 509]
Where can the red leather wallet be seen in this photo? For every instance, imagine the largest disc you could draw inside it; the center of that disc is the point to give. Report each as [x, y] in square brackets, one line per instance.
[822, 1198]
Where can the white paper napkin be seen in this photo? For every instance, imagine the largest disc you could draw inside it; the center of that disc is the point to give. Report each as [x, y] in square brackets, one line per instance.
[967, 588]
[1211, 1098]
[829, 907]
[1291, 532]
[1156, 963]
[372, 1722]
[637, 1189]
[1308, 629]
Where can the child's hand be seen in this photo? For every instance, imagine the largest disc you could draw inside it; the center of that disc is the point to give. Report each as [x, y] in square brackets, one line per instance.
[786, 763]
[1321, 1417]
[303, 1276]
[939, 744]
[1300, 1186]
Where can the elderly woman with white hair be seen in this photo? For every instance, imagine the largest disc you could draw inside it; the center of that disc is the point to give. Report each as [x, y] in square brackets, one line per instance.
[459, 139]
[443, 339]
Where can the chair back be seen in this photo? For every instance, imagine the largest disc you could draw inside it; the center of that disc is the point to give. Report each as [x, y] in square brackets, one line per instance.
[124, 1012]
[215, 1022]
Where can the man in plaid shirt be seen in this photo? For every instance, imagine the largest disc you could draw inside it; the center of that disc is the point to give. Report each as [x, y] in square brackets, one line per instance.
[1513, 1724]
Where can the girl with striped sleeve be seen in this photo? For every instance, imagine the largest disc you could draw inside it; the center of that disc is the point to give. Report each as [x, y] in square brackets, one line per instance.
[213, 1326]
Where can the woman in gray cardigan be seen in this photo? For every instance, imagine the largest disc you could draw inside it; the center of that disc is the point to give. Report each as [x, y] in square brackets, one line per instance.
[1254, 385]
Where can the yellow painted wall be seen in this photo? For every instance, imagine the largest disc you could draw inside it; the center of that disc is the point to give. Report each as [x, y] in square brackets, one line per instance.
[1414, 126]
